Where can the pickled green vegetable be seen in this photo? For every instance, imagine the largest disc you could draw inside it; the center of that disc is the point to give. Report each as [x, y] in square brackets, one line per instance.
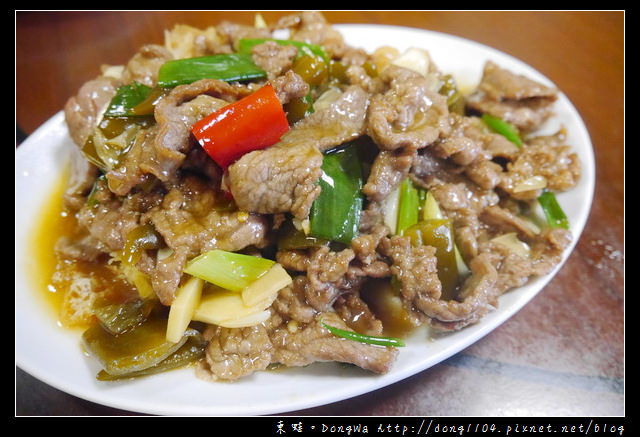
[338, 72]
[439, 234]
[139, 239]
[112, 139]
[312, 69]
[370, 68]
[135, 350]
[455, 99]
[192, 350]
[290, 238]
[121, 317]
[311, 62]
[299, 108]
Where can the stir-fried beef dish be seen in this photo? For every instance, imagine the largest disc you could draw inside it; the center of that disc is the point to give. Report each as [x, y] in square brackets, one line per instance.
[245, 201]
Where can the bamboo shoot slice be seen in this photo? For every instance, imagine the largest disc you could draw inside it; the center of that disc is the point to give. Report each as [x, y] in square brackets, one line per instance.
[223, 305]
[183, 307]
[266, 286]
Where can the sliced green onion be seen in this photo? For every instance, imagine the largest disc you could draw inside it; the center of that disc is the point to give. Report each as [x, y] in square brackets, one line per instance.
[556, 217]
[246, 44]
[430, 208]
[503, 128]
[229, 270]
[335, 214]
[127, 97]
[227, 67]
[408, 206]
[368, 339]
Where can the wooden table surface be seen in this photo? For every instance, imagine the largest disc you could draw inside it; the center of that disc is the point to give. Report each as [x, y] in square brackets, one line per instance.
[563, 353]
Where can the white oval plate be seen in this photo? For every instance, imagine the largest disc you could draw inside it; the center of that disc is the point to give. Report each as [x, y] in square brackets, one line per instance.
[53, 354]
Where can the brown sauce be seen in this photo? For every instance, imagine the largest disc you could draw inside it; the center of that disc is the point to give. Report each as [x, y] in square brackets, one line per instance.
[53, 223]
[56, 222]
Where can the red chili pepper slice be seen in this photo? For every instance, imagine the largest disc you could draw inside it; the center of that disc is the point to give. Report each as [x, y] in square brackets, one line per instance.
[254, 122]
